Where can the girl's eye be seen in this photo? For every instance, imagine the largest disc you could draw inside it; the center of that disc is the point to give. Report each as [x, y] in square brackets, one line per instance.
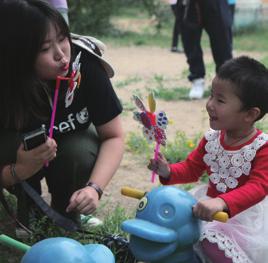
[221, 101]
[62, 38]
[44, 48]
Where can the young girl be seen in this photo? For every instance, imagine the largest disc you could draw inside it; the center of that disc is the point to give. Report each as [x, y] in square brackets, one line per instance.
[235, 155]
[36, 48]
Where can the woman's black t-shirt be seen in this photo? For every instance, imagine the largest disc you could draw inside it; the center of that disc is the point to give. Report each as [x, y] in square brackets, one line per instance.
[94, 100]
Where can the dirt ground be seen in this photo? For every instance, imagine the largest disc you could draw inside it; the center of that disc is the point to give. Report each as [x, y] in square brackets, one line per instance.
[187, 116]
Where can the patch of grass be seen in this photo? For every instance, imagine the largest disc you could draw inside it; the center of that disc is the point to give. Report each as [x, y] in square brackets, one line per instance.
[128, 106]
[263, 124]
[44, 228]
[130, 38]
[112, 223]
[137, 144]
[252, 39]
[162, 87]
[7, 226]
[244, 40]
[175, 150]
[264, 60]
[178, 149]
[174, 94]
[127, 82]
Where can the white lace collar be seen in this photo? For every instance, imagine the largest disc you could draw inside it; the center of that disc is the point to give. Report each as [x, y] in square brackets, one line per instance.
[228, 165]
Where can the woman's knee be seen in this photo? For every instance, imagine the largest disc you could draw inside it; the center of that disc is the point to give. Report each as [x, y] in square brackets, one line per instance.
[79, 145]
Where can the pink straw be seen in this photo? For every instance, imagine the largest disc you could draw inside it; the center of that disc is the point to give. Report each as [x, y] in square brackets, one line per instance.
[55, 102]
[156, 151]
[54, 108]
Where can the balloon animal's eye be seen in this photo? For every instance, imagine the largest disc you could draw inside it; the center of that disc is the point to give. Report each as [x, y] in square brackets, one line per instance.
[142, 204]
[167, 211]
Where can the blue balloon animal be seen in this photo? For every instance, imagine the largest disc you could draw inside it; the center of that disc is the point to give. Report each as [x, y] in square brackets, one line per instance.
[164, 229]
[67, 250]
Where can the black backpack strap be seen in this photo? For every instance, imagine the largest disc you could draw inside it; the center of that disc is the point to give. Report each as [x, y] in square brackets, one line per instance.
[56, 217]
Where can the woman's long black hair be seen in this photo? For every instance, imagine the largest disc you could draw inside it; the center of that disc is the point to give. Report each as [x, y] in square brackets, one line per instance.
[23, 28]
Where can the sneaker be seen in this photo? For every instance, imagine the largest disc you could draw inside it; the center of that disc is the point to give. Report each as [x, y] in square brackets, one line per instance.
[90, 220]
[197, 90]
[21, 233]
[176, 50]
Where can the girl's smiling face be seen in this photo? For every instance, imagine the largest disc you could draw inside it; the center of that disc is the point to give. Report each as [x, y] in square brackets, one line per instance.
[54, 57]
[224, 108]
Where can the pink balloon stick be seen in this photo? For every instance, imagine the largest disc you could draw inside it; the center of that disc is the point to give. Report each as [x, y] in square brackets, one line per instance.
[54, 108]
[156, 151]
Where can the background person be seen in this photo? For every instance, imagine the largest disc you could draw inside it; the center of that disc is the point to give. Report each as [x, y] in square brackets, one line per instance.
[176, 26]
[215, 17]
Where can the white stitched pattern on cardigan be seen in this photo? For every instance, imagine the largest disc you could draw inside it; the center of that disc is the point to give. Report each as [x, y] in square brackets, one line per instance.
[225, 244]
[228, 166]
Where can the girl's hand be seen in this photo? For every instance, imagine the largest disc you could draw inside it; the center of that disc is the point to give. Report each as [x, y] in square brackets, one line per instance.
[160, 166]
[205, 209]
[84, 201]
[30, 162]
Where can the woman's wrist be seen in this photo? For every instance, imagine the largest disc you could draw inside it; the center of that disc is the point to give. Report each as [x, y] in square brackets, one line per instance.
[96, 188]
[13, 172]
[1, 176]
[7, 178]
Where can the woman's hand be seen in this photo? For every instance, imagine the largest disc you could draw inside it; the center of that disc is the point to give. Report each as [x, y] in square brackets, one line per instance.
[30, 162]
[84, 201]
[205, 209]
[160, 166]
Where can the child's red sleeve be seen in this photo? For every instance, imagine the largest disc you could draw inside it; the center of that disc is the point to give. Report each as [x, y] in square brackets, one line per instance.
[189, 170]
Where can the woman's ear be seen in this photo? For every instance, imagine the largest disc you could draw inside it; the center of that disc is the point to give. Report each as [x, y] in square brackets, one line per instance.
[253, 114]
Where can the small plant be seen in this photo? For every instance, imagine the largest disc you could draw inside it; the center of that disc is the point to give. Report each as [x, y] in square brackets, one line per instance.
[163, 91]
[172, 94]
[128, 106]
[178, 149]
[263, 124]
[112, 222]
[127, 82]
[137, 144]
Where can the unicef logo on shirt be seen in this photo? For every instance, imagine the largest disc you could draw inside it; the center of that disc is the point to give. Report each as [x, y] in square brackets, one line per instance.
[72, 121]
[82, 116]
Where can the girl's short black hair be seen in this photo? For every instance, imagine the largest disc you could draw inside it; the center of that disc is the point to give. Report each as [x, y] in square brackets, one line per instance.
[249, 78]
[23, 27]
